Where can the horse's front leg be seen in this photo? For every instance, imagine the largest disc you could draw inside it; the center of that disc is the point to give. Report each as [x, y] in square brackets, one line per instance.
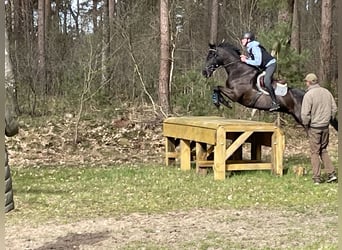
[218, 98]
[229, 93]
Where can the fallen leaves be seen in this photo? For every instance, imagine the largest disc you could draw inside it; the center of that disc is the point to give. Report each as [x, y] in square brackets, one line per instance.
[101, 142]
[111, 141]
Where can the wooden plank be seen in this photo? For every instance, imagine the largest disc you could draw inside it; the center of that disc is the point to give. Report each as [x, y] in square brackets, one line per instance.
[191, 133]
[172, 155]
[254, 127]
[237, 155]
[214, 122]
[237, 143]
[205, 163]
[249, 166]
[210, 150]
[185, 156]
[219, 155]
[243, 165]
[210, 163]
[278, 146]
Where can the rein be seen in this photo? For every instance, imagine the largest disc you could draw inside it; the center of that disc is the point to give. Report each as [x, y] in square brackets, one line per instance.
[227, 64]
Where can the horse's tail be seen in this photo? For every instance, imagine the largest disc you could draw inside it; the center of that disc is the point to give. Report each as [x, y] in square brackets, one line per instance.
[294, 99]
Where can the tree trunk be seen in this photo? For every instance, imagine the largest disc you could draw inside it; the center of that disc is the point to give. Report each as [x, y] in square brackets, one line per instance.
[41, 47]
[295, 30]
[47, 14]
[10, 114]
[213, 22]
[95, 15]
[17, 23]
[111, 15]
[105, 41]
[9, 77]
[164, 70]
[75, 15]
[326, 43]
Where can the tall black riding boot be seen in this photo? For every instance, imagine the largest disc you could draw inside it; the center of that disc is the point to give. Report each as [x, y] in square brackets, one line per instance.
[274, 105]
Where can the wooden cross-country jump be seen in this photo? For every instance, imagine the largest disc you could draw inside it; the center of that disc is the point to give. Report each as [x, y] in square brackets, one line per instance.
[218, 142]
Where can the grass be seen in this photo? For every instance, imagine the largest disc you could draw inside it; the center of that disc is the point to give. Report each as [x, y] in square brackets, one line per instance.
[67, 194]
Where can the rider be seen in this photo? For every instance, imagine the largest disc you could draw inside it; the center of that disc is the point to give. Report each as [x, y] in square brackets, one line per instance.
[259, 57]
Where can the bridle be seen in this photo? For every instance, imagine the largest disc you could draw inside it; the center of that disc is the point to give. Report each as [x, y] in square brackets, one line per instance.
[216, 66]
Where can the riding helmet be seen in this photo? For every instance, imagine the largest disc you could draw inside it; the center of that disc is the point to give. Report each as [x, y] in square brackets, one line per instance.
[249, 35]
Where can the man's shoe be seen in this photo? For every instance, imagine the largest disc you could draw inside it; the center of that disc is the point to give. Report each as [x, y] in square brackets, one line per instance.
[332, 178]
[274, 106]
[317, 181]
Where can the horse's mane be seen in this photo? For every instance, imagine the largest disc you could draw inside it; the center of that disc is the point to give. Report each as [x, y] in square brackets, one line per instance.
[230, 47]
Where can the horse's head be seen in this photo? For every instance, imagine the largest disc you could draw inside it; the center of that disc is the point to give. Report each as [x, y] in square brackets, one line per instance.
[222, 55]
[213, 61]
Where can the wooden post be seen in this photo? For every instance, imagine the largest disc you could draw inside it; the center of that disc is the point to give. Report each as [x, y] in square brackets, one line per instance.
[170, 148]
[185, 154]
[201, 154]
[219, 154]
[278, 146]
[255, 148]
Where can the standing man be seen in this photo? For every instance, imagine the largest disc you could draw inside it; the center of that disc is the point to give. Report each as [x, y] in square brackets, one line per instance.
[318, 108]
[259, 57]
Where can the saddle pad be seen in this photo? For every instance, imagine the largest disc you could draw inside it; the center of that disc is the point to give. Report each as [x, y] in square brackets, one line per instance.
[281, 89]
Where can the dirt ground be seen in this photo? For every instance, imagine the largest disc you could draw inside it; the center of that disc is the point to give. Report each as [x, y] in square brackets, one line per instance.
[246, 229]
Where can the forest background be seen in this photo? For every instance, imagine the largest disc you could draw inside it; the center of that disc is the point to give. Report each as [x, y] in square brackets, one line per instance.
[93, 80]
[73, 57]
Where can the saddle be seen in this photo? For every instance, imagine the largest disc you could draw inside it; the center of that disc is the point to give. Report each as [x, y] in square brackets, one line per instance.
[280, 86]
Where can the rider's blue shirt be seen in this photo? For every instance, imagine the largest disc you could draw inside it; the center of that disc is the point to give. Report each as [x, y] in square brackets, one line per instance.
[254, 48]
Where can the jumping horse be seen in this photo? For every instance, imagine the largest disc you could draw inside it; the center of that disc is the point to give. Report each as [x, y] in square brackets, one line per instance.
[244, 84]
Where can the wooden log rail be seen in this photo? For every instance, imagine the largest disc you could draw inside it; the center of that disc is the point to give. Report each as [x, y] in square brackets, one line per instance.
[217, 142]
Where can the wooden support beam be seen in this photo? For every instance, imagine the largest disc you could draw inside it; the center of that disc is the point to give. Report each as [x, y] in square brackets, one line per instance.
[237, 143]
[170, 147]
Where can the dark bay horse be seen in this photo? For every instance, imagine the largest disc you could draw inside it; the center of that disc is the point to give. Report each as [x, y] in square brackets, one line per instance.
[241, 84]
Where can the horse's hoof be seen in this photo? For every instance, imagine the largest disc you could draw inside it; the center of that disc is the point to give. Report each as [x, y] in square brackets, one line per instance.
[215, 98]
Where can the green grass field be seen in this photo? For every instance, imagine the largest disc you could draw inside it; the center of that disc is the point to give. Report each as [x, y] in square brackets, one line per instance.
[57, 195]
[75, 193]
